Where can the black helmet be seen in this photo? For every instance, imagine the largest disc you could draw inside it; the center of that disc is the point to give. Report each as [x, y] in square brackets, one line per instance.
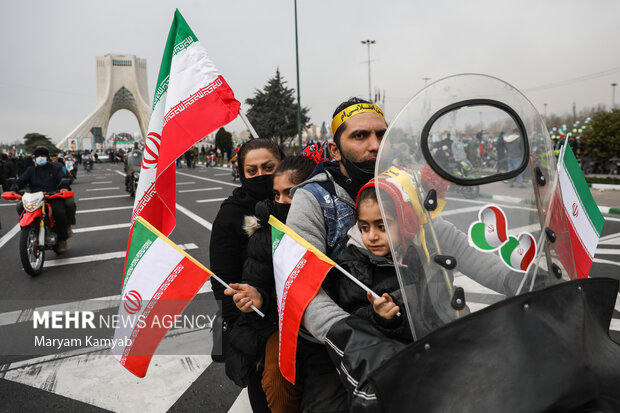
[41, 151]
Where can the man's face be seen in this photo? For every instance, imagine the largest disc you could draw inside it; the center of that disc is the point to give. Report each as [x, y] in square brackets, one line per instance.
[361, 138]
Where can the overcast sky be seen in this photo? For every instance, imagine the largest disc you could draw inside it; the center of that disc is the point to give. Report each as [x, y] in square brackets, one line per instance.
[47, 75]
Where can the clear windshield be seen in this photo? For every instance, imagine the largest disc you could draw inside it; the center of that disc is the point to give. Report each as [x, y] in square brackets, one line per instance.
[465, 175]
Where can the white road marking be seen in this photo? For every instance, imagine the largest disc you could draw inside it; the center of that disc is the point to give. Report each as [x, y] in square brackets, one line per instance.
[103, 189]
[121, 173]
[600, 261]
[7, 237]
[202, 201]
[86, 211]
[241, 404]
[102, 182]
[102, 227]
[460, 211]
[101, 257]
[185, 183]
[200, 189]
[612, 219]
[207, 179]
[195, 217]
[604, 251]
[7, 205]
[103, 197]
[229, 173]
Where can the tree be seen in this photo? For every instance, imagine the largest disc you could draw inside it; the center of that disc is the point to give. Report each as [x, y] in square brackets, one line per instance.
[602, 138]
[273, 111]
[223, 141]
[32, 140]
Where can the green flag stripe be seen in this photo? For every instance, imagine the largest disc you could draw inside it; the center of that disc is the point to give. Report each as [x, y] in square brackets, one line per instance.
[141, 240]
[583, 192]
[276, 237]
[179, 38]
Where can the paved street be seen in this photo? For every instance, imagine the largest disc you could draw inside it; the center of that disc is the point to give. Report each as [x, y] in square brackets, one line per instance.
[88, 277]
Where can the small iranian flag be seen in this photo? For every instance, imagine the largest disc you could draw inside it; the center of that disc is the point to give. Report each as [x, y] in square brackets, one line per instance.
[585, 221]
[299, 269]
[191, 100]
[160, 280]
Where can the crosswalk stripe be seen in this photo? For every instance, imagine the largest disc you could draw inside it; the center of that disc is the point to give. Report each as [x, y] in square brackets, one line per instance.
[103, 189]
[207, 179]
[202, 201]
[103, 197]
[195, 217]
[101, 257]
[200, 189]
[102, 227]
[86, 211]
[9, 235]
[102, 182]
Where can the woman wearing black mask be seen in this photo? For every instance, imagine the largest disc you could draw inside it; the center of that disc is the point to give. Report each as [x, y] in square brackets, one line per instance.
[258, 160]
[254, 341]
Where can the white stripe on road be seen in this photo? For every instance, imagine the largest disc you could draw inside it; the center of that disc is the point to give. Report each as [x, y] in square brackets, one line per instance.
[605, 251]
[200, 189]
[102, 257]
[92, 304]
[186, 183]
[102, 227]
[121, 173]
[229, 173]
[9, 235]
[195, 217]
[460, 211]
[207, 179]
[1, 205]
[202, 201]
[612, 239]
[104, 189]
[103, 197]
[612, 219]
[102, 182]
[600, 261]
[86, 211]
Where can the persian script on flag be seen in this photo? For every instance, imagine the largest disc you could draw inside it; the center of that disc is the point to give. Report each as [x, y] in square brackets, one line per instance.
[160, 280]
[299, 269]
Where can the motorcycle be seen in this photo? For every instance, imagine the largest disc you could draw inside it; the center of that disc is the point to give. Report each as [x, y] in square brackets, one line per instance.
[212, 160]
[36, 222]
[88, 164]
[71, 168]
[133, 165]
[235, 167]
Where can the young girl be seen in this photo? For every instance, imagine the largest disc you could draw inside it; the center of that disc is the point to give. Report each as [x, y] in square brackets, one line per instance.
[255, 337]
[367, 257]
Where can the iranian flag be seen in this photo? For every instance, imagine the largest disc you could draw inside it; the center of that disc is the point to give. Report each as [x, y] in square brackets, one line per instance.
[160, 280]
[585, 221]
[299, 269]
[191, 100]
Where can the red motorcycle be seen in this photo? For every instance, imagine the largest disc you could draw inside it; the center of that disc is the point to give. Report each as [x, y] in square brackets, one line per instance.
[36, 222]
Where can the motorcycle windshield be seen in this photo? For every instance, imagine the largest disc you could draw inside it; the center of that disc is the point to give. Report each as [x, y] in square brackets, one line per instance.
[466, 181]
[134, 159]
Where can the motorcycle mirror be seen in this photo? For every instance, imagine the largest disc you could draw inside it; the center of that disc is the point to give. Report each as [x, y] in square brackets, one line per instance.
[482, 132]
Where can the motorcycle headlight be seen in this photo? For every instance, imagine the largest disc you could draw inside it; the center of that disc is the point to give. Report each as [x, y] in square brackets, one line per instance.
[136, 175]
[31, 206]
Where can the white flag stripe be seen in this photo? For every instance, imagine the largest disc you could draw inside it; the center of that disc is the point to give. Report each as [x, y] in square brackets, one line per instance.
[582, 225]
[154, 267]
[285, 258]
[191, 69]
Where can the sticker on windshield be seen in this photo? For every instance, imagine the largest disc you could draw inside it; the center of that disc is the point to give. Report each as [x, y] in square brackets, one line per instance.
[490, 233]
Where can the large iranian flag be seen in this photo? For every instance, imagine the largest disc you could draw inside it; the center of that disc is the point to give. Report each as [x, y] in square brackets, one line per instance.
[585, 221]
[299, 269]
[160, 280]
[191, 100]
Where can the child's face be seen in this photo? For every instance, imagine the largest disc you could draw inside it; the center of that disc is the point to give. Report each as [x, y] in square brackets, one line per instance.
[370, 223]
[282, 188]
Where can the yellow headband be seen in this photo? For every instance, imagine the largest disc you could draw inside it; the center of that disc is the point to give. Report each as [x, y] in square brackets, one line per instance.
[353, 110]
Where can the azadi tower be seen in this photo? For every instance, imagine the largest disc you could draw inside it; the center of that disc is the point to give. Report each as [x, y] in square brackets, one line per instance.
[121, 84]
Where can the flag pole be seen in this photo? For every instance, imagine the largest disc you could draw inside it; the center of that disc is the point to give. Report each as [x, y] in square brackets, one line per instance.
[219, 280]
[358, 282]
[248, 124]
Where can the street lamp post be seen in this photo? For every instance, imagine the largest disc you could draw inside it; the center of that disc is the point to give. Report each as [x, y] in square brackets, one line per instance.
[368, 43]
[613, 95]
[298, 94]
[545, 110]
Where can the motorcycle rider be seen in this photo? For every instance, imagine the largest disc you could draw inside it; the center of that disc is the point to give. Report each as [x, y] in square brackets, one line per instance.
[47, 177]
[133, 162]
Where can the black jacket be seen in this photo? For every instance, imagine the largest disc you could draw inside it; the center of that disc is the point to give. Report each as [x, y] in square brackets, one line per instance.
[249, 334]
[44, 178]
[228, 247]
[379, 274]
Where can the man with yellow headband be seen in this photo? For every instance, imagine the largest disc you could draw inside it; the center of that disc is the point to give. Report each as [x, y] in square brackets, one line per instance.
[322, 212]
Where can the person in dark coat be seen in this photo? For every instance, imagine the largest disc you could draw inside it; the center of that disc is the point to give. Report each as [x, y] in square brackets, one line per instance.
[254, 340]
[228, 247]
[47, 177]
[368, 258]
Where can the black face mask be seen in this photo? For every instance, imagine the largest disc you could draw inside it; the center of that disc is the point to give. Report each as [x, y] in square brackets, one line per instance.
[359, 172]
[259, 188]
[282, 211]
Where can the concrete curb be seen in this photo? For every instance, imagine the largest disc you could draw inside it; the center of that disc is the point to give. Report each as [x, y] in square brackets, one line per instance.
[604, 187]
